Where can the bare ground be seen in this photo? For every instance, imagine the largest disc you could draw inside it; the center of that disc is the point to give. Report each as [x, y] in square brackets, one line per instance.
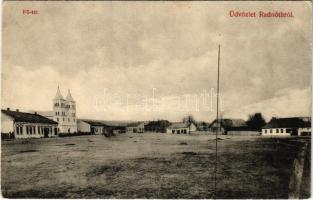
[150, 165]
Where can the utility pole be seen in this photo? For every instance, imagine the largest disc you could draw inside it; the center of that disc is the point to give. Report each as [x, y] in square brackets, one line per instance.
[217, 118]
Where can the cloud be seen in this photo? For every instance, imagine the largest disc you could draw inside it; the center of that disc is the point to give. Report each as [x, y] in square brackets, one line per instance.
[133, 47]
[286, 103]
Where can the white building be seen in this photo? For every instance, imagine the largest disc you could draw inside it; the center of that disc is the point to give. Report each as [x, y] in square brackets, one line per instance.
[293, 126]
[91, 126]
[27, 125]
[64, 112]
[304, 131]
[181, 128]
[136, 127]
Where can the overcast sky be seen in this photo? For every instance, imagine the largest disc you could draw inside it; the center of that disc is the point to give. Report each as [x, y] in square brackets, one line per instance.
[152, 60]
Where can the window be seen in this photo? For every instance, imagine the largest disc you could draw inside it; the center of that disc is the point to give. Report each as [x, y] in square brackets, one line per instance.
[17, 130]
[30, 130]
[21, 130]
[34, 129]
[63, 119]
[265, 131]
[277, 130]
[57, 119]
[38, 130]
[281, 130]
[271, 131]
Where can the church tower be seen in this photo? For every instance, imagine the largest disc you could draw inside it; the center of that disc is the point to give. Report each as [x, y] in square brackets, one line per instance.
[71, 112]
[64, 112]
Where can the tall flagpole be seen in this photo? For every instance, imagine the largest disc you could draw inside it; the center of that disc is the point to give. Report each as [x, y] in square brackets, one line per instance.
[217, 117]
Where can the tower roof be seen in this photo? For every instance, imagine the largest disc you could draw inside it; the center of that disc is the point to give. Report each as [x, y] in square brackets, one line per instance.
[58, 95]
[69, 96]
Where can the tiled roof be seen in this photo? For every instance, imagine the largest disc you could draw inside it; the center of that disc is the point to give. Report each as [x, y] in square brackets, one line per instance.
[44, 113]
[105, 123]
[28, 117]
[178, 125]
[93, 122]
[291, 122]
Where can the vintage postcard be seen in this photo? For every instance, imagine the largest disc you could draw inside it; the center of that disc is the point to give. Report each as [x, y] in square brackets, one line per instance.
[156, 99]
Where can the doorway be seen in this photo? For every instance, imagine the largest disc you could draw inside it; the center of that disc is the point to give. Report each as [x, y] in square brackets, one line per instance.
[46, 132]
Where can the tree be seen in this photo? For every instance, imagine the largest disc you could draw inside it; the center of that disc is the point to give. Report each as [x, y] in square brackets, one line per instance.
[256, 122]
[189, 119]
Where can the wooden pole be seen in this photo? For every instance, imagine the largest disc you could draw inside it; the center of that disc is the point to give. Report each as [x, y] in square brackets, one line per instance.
[217, 118]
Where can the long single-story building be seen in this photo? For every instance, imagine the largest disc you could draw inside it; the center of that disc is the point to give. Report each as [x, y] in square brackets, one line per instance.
[26, 125]
[90, 126]
[100, 126]
[181, 128]
[136, 127]
[292, 126]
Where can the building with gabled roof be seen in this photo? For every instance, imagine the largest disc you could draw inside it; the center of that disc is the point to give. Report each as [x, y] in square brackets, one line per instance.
[100, 126]
[228, 124]
[27, 125]
[136, 127]
[181, 128]
[288, 126]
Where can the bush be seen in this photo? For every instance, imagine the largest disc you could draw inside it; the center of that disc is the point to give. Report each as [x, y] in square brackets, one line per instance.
[7, 136]
[74, 134]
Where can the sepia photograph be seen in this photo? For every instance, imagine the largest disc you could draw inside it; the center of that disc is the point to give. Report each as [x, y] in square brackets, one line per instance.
[156, 99]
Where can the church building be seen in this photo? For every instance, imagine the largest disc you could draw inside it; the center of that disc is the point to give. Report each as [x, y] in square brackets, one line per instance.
[64, 112]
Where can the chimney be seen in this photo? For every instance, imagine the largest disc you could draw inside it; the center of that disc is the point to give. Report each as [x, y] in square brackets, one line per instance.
[35, 113]
[8, 108]
[17, 110]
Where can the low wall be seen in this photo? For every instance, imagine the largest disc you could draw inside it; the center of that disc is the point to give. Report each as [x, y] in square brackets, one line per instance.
[242, 133]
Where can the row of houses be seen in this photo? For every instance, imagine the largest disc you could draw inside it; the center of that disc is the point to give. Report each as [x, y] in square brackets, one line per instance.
[18, 124]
